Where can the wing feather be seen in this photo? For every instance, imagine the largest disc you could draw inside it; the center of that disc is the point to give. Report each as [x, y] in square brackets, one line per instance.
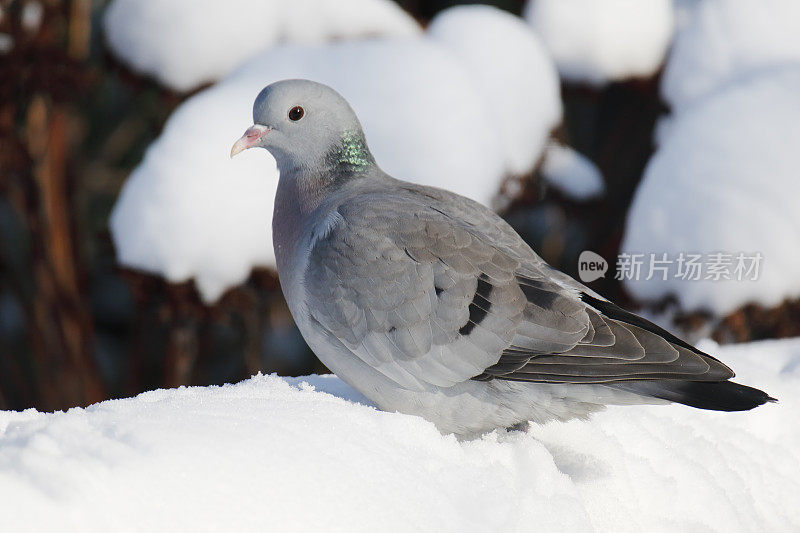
[429, 288]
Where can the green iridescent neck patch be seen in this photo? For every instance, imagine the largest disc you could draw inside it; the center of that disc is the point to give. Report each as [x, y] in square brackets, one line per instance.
[354, 150]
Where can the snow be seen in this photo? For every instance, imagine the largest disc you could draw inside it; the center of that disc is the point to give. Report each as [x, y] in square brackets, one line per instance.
[596, 41]
[31, 16]
[727, 40]
[431, 111]
[186, 43]
[724, 174]
[188, 209]
[721, 181]
[514, 72]
[572, 173]
[310, 454]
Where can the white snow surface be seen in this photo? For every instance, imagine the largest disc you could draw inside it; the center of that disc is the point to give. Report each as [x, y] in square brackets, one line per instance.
[572, 173]
[596, 41]
[727, 40]
[311, 454]
[724, 179]
[434, 111]
[185, 43]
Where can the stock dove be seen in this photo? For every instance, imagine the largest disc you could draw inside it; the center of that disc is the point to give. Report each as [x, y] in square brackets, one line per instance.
[430, 304]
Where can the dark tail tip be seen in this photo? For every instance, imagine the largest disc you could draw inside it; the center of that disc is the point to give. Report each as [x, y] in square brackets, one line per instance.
[713, 395]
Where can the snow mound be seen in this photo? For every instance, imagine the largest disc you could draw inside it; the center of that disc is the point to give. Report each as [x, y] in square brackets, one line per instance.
[726, 40]
[572, 173]
[188, 210]
[513, 71]
[185, 43]
[722, 180]
[307, 454]
[429, 110]
[596, 41]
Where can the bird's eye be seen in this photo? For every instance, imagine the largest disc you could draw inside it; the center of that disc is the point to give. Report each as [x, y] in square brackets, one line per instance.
[296, 113]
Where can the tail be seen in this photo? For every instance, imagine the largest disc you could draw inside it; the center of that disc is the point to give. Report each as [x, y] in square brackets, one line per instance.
[712, 395]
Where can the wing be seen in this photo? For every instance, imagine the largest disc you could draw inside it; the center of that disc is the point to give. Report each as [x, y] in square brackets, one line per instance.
[433, 289]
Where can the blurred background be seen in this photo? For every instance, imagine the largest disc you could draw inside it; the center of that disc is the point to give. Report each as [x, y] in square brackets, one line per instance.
[134, 255]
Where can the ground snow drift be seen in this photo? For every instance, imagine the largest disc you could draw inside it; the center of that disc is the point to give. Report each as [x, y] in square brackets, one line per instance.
[436, 110]
[596, 41]
[185, 43]
[310, 454]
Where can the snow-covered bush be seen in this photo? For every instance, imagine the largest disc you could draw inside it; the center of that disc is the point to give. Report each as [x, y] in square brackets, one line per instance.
[185, 43]
[434, 111]
[725, 174]
[572, 173]
[596, 41]
[513, 72]
[724, 179]
[270, 454]
[727, 40]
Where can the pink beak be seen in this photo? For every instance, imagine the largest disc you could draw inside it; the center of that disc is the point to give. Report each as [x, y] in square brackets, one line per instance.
[250, 138]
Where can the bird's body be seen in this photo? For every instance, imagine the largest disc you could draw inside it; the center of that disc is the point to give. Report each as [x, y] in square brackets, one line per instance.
[430, 304]
[462, 405]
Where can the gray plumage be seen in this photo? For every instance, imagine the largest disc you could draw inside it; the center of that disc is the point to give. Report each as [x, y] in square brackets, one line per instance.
[430, 304]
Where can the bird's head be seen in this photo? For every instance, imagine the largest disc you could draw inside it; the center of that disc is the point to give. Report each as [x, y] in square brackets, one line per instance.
[305, 124]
